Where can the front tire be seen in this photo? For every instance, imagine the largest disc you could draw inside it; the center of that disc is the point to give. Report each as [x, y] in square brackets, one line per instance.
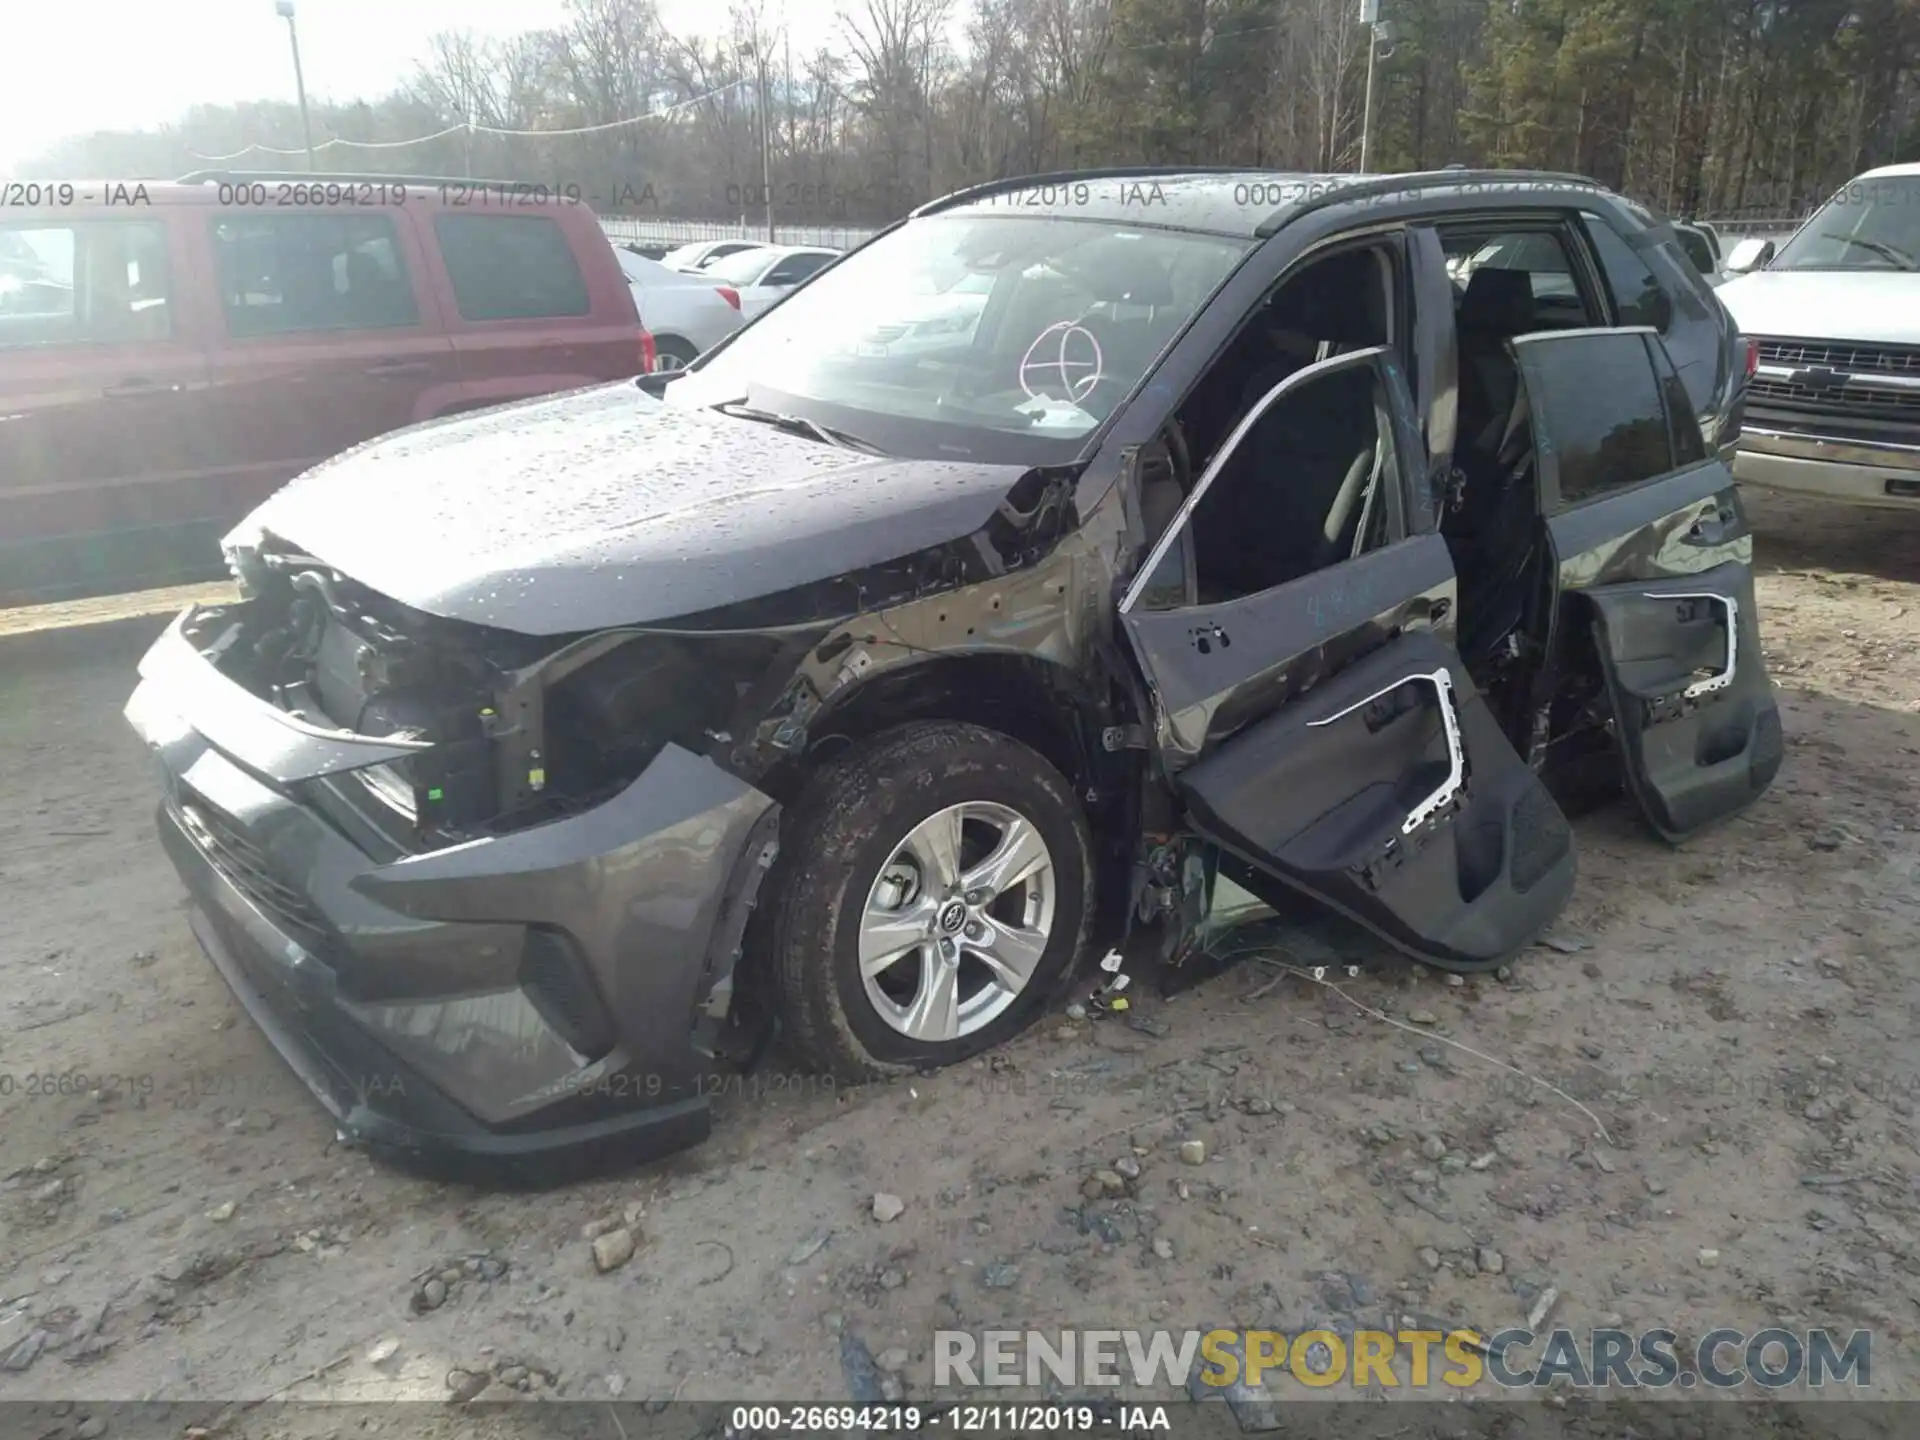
[934, 888]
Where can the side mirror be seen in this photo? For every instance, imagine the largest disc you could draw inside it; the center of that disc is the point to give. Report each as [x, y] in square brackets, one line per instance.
[1750, 254]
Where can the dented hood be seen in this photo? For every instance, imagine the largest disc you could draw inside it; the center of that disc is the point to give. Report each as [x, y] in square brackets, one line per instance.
[607, 507]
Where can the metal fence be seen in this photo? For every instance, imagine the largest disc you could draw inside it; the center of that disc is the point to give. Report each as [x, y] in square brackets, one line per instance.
[624, 230]
[1771, 227]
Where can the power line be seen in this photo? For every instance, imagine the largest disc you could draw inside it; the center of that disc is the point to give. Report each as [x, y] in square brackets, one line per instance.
[473, 128]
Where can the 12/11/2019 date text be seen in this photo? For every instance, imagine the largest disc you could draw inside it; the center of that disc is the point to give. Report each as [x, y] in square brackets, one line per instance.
[960, 1419]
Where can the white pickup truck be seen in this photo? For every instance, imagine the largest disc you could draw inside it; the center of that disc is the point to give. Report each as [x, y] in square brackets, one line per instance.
[1833, 408]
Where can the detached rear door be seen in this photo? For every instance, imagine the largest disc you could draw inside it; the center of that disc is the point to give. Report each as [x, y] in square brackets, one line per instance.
[1654, 562]
[1323, 729]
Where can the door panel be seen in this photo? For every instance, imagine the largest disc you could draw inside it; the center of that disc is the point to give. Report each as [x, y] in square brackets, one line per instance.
[1653, 560]
[1324, 730]
[1696, 720]
[1389, 793]
[1217, 667]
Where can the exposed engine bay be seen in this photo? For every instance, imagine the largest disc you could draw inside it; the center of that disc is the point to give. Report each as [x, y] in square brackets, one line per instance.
[516, 729]
[519, 731]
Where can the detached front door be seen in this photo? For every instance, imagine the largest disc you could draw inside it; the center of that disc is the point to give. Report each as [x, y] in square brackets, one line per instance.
[1310, 709]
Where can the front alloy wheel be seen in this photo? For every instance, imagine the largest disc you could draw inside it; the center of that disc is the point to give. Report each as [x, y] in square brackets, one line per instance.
[957, 922]
[933, 888]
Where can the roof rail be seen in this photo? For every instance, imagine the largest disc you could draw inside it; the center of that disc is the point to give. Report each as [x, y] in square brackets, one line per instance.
[328, 177]
[1417, 180]
[1068, 177]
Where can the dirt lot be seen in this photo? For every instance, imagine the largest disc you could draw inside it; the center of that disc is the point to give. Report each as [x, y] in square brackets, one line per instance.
[1734, 1020]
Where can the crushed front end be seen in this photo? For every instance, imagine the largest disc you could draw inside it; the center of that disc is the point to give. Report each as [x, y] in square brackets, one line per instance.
[483, 891]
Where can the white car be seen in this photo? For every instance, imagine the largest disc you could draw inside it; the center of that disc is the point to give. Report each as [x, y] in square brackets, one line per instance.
[702, 253]
[765, 274]
[1833, 406]
[945, 318]
[685, 314]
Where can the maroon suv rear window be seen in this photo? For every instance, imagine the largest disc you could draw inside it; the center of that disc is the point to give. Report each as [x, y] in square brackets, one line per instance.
[510, 267]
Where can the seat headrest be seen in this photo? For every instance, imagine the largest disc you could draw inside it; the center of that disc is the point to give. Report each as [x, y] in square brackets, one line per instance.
[1498, 302]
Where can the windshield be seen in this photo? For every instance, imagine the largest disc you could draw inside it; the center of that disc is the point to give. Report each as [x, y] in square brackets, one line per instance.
[972, 336]
[1871, 224]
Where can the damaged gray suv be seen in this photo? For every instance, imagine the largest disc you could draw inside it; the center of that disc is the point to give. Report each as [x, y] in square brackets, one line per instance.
[1075, 543]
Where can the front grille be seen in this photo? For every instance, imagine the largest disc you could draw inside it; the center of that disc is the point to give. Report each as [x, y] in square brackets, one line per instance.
[223, 842]
[1843, 355]
[1863, 364]
[1852, 400]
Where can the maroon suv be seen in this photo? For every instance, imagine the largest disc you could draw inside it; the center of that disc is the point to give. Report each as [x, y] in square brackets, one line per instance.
[170, 354]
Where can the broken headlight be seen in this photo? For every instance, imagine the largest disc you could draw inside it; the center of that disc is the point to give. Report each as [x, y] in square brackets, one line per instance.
[241, 551]
[393, 789]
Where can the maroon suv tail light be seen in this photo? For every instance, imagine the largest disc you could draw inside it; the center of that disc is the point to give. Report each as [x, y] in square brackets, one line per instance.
[648, 354]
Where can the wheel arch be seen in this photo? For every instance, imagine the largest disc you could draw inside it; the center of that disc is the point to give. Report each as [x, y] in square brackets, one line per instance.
[1040, 703]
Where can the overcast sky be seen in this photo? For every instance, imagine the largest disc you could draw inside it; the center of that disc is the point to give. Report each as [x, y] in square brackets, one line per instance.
[122, 64]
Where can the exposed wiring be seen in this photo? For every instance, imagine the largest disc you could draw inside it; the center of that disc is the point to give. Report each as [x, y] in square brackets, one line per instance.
[1366, 1009]
[899, 641]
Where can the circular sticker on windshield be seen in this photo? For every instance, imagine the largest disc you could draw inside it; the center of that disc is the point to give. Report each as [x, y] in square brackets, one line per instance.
[1063, 363]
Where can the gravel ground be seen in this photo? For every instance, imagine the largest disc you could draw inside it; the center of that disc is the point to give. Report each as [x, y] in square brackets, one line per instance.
[1708, 1117]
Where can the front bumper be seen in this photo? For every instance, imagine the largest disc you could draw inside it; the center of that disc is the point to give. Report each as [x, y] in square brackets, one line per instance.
[1877, 472]
[549, 992]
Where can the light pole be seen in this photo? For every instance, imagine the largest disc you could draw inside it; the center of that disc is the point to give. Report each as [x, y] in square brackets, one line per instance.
[766, 131]
[285, 7]
[1379, 32]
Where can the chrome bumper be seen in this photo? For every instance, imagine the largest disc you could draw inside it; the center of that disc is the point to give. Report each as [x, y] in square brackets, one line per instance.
[1879, 473]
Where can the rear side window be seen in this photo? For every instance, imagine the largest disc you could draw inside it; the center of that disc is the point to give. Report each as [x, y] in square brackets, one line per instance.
[1598, 412]
[1694, 246]
[291, 274]
[1559, 300]
[1538, 252]
[1683, 425]
[510, 267]
[795, 268]
[1637, 295]
[104, 282]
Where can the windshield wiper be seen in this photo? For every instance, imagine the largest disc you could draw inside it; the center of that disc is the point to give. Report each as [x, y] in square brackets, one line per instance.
[1882, 249]
[800, 425]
